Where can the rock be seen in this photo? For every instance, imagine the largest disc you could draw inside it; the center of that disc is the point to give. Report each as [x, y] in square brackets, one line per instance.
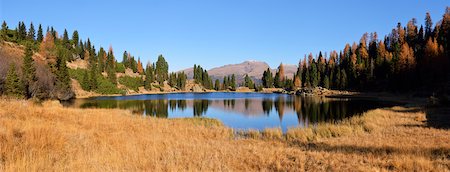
[197, 88]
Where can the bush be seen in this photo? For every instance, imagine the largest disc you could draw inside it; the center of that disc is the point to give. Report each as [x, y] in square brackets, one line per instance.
[120, 68]
[132, 82]
[104, 85]
[107, 87]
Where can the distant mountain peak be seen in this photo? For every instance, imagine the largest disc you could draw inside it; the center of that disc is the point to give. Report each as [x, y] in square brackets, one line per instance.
[253, 68]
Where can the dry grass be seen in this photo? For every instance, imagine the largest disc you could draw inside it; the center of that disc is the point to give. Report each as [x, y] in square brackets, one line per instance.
[53, 138]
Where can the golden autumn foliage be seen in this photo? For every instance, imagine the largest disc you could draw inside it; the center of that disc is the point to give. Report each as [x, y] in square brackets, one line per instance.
[406, 60]
[281, 71]
[140, 69]
[47, 48]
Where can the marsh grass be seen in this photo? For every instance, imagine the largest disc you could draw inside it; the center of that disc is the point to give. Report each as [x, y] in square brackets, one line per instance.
[49, 137]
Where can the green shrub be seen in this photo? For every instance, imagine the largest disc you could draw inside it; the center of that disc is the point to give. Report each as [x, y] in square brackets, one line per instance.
[106, 87]
[131, 82]
[120, 68]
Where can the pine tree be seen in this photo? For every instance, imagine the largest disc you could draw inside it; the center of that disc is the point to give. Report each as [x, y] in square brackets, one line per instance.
[63, 85]
[85, 81]
[326, 82]
[28, 71]
[4, 31]
[148, 77]
[75, 38]
[40, 34]
[31, 32]
[217, 85]
[125, 60]
[93, 78]
[313, 75]
[65, 39]
[267, 79]
[14, 86]
[225, 83]
[162, 69]
[428, 26]
[233, 82]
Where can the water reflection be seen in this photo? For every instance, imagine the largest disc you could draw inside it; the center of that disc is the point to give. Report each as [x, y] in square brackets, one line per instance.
[258, 112]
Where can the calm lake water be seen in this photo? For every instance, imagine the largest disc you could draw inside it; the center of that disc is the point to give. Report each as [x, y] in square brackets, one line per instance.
[238, 110]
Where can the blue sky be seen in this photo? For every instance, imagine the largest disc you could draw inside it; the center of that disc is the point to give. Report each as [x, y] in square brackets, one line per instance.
[214, 33]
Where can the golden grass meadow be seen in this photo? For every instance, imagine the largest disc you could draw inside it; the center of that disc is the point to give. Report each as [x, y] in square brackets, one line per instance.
[49, 137]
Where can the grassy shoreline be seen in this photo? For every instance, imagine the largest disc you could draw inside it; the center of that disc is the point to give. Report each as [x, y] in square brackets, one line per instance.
[50, 137]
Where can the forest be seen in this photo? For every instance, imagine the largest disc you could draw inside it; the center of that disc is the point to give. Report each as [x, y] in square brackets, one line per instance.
[410, 59]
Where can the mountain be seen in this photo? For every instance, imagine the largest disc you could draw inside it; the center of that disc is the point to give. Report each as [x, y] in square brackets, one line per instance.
[254, 69]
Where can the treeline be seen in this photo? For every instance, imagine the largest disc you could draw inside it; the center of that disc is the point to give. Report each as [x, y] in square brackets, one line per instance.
[409, 58]
[51, 78]
[202, 77]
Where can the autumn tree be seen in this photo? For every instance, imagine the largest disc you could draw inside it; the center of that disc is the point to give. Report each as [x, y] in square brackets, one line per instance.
[140, 69]
[48, 49]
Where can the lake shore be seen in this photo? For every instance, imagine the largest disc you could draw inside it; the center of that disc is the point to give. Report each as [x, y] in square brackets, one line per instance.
[48, 136]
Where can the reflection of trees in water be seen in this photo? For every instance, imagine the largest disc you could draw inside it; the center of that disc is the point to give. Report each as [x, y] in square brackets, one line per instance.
[309, 110]
[267, 105]
[182, 104]
[200, 107]
[279, 106]
[157, 108]
[246, 103]
[229, 103]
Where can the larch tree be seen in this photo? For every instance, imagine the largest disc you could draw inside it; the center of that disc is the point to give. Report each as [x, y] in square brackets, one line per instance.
[140, 69]
[48, 49]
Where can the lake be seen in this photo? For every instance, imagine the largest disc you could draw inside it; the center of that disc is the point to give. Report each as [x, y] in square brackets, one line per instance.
[239, 110]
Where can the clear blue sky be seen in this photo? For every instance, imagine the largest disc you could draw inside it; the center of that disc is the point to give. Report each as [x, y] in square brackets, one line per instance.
[213, 33]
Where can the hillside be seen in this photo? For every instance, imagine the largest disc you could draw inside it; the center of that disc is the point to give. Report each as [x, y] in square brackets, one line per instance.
[254, 69]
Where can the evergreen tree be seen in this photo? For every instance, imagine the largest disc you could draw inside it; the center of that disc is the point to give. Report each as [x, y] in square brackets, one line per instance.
[267, 79]
[313, 75]
[149, 78]
[93, 75]
[125, 60]
[63, 85]
[233, 82]
[162, 69]
[14, 86]
[181, 80]
[40, 34]
[21, 32]
[217, 85]
[31, 33]
[75, 38]
[28, 71]
[4, 31]
[225, 83]
[326, 82]
[85, 81]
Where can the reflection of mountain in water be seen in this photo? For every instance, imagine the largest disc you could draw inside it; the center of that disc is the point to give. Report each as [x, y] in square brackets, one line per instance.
[308, 109]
